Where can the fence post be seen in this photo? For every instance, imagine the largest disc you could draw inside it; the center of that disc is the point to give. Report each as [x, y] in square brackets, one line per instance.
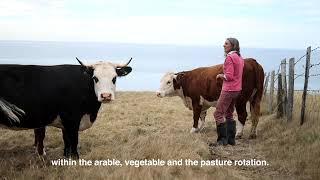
[265, 87]
[290, 90]
[271, 91]
[280, 98]
[305, 88]
[284, 86]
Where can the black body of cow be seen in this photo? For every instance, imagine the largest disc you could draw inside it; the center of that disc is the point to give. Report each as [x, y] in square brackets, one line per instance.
[45, 92]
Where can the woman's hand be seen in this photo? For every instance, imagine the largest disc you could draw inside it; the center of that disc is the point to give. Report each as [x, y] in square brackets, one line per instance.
[220, 76]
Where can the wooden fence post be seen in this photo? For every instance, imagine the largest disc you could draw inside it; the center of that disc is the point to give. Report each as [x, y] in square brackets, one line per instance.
[284, 85]
[271, 92]
[280, 98]
[290, 90]
[305, 88]
[265, 87]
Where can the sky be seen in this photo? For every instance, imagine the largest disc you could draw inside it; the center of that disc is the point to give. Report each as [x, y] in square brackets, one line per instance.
[289, 24]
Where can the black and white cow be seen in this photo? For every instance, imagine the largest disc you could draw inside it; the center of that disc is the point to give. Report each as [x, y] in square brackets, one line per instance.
[33, 97]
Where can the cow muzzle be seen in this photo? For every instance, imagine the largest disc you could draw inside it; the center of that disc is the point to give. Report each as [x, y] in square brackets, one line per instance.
[106, 97]
[159, 94]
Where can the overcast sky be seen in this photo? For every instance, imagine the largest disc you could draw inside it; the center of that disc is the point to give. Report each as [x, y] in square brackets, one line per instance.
[256, 23]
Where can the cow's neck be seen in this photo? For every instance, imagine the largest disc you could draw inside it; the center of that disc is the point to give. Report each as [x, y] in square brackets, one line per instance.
[91, 105]
[186, 100]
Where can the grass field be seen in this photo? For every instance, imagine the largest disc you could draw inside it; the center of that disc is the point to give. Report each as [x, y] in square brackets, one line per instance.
[138, 126]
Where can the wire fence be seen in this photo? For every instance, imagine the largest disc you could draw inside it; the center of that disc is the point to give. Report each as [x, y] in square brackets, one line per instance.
[293, 90]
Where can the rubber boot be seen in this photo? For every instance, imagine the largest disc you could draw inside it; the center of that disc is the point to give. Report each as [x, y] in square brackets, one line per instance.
[231, 132]
[222, 135]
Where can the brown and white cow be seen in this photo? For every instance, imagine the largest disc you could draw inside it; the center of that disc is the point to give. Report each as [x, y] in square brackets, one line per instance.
[200, 90]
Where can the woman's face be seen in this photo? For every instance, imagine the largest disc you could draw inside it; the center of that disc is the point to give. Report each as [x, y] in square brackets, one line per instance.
[227, 46]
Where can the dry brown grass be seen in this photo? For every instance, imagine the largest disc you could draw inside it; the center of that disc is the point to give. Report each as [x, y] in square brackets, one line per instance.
[138, 125]
[312, 110]
[293, 148]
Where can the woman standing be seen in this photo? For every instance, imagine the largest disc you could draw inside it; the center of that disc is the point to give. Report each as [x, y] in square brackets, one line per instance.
[231, 88]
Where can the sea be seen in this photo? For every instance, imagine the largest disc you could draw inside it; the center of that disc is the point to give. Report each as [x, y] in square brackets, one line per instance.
[151, 61]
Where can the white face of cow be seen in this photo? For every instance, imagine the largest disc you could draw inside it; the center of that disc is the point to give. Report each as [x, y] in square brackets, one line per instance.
[166, 85]
[104, 75]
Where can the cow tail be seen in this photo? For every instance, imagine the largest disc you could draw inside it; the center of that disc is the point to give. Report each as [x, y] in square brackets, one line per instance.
[10, 112]
[256, 99]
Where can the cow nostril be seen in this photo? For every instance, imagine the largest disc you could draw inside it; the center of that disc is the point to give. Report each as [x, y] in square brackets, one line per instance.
[106, 96]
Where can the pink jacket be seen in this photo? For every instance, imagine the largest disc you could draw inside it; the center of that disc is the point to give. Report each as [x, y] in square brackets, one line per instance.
[232, 69]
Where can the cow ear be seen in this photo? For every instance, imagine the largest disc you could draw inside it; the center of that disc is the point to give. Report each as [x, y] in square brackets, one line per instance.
[176, 82]
[123, 71]
[89, 71]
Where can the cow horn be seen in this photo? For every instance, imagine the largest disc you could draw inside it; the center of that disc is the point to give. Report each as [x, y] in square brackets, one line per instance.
[80, 62]
[180, 73]
[123, 65]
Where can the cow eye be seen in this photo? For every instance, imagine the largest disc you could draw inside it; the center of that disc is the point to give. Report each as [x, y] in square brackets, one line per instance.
[114, 80]
[169, 82]
[95, 79]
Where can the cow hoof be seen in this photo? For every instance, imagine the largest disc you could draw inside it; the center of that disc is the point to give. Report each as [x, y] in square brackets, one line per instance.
[75, 156]
[40, 153]
[71, 155]
[252, 136]
[194, 130]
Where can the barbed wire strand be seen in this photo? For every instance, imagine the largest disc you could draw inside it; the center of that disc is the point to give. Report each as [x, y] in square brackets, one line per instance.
[298, 75]
[313, 75]
[312, 65]
[305, 55]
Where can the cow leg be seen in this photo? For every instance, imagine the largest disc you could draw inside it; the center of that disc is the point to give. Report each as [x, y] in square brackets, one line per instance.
[196, 115]
[242, 117]
[74, 136]
[35, 138]
[70, 138]
[67, 147]
[255, 112]
[70, 132]
[39, 135]
[203, 115]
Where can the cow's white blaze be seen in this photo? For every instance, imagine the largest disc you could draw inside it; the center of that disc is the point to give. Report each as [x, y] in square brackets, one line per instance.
[104, 72]
[166, 85]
